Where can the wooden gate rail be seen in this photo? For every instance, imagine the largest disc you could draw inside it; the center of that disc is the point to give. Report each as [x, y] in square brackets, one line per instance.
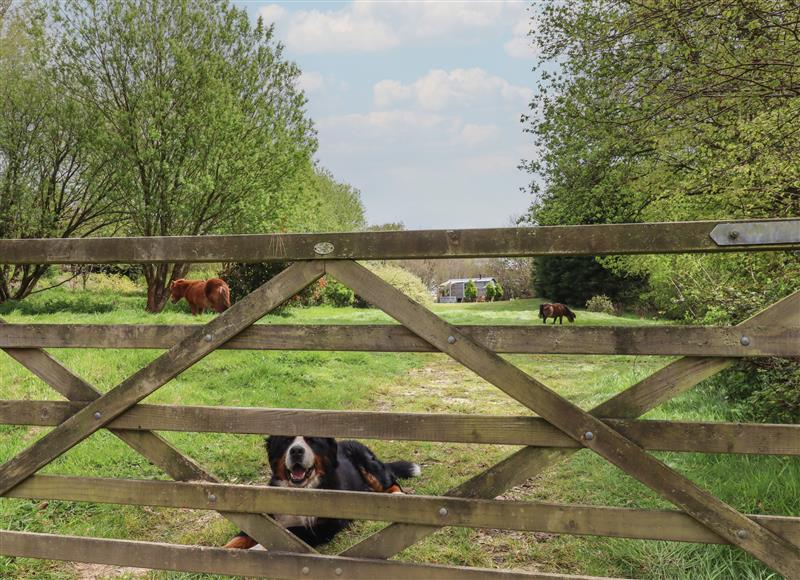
[592, 240]
[609, 430]
[416, 509]
[540, 339]
[252, 563]
[691, 437]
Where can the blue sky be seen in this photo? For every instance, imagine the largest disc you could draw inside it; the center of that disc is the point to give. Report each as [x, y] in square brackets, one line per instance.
[417, 104]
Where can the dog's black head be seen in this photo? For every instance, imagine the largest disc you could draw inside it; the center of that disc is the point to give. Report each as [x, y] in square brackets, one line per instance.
[301, 461]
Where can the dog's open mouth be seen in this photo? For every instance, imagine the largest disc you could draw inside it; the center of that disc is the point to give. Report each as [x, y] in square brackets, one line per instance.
[299, 474]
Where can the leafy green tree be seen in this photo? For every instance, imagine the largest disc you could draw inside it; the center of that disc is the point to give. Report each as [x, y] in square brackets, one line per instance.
[662, 112]
[321, 204]
[470, 291]
[575, 279]
[387, 227]
[324, 204]
[200, 110]
[490, 292]
[499, 291]
[56, 178]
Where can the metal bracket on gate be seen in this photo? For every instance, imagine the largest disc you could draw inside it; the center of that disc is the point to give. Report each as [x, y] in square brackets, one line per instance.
[757, 233]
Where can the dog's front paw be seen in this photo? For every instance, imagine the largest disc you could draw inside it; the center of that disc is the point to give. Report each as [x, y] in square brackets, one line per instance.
[241, 542]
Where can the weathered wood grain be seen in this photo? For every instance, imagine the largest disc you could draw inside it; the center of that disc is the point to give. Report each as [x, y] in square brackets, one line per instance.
[204, 340]
[426, 510]
[774, 340]
[250, 563]
[762, 543]
[666, 383]
[695, 437]
[588, 240]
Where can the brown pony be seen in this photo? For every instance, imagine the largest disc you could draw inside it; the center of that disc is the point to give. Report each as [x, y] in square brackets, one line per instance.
[554, 311]
[211, 294]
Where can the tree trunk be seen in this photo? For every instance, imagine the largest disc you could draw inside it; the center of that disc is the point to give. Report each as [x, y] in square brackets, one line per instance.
[17, 282]
[159, 277]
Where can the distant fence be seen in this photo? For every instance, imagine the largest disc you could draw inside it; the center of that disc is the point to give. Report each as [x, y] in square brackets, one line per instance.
[611, 429]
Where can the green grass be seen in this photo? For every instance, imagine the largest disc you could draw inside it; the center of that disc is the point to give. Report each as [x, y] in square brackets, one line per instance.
[397, 382]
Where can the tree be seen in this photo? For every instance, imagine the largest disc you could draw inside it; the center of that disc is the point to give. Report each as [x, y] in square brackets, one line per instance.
[664, 111]
[387, 227]
[200, 110]
[55, 178]
[325, 204]
[499, 291]
[490, 292]
[470, 291]
[575, 279]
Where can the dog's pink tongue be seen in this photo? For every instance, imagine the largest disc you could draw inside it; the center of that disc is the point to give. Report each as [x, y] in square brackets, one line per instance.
[298, 473]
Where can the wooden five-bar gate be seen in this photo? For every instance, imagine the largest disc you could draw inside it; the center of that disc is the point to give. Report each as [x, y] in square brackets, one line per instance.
[560, 428]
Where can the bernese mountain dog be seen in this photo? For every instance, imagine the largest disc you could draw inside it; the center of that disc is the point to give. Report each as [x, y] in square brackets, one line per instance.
[324, 463]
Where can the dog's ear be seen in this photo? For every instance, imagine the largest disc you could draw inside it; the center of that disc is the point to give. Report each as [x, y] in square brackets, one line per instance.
[333, 450]
[275, 445]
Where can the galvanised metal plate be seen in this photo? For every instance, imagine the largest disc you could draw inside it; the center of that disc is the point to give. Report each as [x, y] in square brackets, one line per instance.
[323, 248]
[757, 233]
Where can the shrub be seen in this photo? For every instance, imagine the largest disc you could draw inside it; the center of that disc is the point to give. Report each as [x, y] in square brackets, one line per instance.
[409, 284]
[600, 303]
[491, 292]
[335, 293]
[575, 279]
[470, 291]
[114, 283]
[764, 390]
[498, 291]
[244, 278]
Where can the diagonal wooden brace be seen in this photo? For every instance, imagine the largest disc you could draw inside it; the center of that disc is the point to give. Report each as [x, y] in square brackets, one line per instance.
[666, 383]
[155, 448]
[718, 516]
[150, 378]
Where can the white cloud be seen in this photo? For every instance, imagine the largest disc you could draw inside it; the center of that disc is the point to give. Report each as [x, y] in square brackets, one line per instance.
[440, 89]
[347, 30]
[472, 135]
[387, 92]
[374, 26]
[385, 122]
[310, 81]
[521, 44]
[272, 13]
[409, 128]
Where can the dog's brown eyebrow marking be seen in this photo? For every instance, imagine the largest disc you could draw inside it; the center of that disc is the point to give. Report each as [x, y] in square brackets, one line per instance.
[319, 465]
[281, 470]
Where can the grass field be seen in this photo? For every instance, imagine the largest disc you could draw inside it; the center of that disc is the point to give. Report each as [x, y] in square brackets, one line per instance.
[397, 382]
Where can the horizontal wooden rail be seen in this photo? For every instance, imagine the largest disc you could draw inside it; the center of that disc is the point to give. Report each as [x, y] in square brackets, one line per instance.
[249, 563]
[758, 439]
[537, 339]
[589, 240]
[415, 509]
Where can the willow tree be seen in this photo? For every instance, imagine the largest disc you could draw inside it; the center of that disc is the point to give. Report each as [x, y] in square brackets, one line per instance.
[200, 109]
[56, 179]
